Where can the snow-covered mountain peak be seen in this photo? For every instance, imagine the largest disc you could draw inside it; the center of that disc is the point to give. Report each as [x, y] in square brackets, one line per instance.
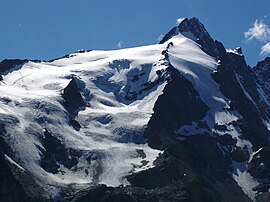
[184, 116]
[193, 29]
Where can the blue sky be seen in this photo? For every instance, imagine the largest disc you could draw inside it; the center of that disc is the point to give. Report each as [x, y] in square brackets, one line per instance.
[37, 29]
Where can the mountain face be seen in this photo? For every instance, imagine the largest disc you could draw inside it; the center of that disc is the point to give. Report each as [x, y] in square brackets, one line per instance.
[182, 120]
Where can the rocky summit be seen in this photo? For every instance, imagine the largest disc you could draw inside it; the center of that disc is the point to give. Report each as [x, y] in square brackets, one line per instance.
[183, 120]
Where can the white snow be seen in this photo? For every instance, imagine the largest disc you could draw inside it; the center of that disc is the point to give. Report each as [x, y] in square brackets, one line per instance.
[240, 81]
[234, 51]
[244, 179]
[13, 163]
[254, 153]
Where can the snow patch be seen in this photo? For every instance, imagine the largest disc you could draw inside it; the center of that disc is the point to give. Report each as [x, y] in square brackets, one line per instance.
[13, 163]
[244, 179]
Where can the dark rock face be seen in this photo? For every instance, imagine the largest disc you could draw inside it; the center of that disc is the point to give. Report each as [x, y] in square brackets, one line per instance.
[55, 151]
[197, 155]
[15, 185]
[56, 154]
[7, 65]
[220, 127]
[10, 189]
[74, 101]
[178, 105]
[72, 97]
[237, 82]
[10, 65]
[240, 155]
[241, 84]
[263, 197]
[262, 187]
[225, 139]
[75, 124]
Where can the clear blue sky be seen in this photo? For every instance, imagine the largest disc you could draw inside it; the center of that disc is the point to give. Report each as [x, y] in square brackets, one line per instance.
[46, 29]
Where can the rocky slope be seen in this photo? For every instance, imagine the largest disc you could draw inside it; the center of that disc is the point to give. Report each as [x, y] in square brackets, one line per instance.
[183, 120]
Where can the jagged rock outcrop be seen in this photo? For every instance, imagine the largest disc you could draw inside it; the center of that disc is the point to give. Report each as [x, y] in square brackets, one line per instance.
[179, 105]
[54, 152]
[73, 100]
[238, 82]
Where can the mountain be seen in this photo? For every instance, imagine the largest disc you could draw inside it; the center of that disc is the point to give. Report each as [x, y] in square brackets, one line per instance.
[182, 120]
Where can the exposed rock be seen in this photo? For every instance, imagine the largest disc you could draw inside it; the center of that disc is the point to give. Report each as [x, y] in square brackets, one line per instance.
[225, 139]
[10, 189]
[73, 100]
[141, 153]
[7, 65]
[259, 166]
[262, 187]
[75, 124]
[220, 127]
[263, 197]
[71, 161]
[55, 151]
[236, 79]
[179, 105]
[240, 154]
